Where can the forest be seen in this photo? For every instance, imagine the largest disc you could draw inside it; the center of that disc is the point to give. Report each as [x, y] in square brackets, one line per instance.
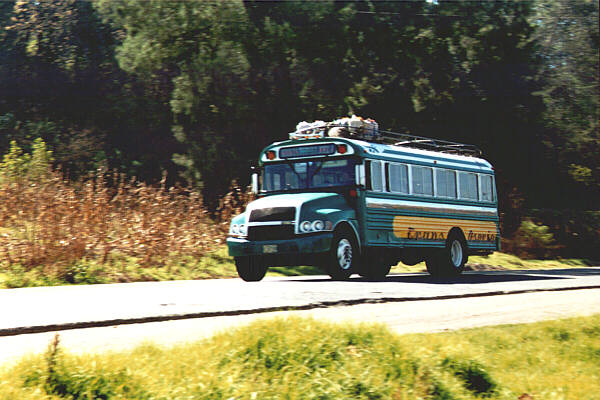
[188, 92]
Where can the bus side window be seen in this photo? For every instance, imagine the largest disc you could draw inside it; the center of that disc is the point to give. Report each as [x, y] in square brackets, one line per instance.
[398, 178]
[422, 180]
[487, 188]
[376, 175]
[468, 185]
[446, 183]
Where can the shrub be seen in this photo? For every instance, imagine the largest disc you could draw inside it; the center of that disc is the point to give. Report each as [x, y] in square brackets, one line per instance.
[46, 220]
[533, 241]
[19, 167]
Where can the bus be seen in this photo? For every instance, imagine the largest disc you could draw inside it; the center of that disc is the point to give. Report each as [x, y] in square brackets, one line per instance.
[352, 206]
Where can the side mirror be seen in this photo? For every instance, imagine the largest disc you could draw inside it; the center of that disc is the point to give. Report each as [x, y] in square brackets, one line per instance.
[255, 183]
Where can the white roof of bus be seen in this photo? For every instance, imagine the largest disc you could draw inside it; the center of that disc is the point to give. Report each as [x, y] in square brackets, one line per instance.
[442, 159]
[419, 152]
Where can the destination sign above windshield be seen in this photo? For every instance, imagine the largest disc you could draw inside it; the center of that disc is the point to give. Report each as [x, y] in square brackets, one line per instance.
[307, 151]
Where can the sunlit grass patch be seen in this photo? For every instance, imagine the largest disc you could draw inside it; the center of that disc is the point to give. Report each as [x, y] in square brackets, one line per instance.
[305, 359]
[503, 261]
[119, 268]
[509, 261]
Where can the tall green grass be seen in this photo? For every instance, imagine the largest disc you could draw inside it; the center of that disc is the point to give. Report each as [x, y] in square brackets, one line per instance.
[306, 359]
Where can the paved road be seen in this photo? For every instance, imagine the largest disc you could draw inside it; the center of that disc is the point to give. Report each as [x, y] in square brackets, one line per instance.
[53, 308]
[402, 317]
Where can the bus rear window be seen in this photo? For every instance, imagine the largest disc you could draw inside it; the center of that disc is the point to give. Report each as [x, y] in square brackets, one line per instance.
[487, 188]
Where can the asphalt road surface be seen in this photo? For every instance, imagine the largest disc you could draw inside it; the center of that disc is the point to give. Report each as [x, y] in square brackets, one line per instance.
[112, 317]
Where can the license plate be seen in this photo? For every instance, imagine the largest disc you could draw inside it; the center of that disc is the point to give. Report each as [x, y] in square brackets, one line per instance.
[270, 248]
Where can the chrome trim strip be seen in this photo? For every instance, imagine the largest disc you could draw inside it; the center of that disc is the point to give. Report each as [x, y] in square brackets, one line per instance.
[430, 207]
[266, 223]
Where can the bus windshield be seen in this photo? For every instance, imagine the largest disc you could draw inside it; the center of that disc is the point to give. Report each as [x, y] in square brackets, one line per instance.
[308, 175]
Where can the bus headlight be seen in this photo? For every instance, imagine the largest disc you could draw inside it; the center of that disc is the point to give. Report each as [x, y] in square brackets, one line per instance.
[243, 230]
[318, 225]
[234, 229]
[305, 226]
[314, 226]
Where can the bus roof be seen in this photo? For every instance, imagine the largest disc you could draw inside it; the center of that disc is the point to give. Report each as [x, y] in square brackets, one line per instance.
[391, 153]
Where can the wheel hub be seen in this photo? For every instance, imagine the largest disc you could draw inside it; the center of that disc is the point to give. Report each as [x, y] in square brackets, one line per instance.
[344, 254]
[456, 253]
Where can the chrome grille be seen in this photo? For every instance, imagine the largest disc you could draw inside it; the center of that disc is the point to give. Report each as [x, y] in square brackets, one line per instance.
[270, 232]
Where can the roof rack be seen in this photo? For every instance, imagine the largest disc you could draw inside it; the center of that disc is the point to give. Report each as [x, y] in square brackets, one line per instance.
[425, 143]
[371, 133]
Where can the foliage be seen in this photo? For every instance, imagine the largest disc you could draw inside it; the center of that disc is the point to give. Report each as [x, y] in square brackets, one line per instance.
[197, 88]
[253, 70]
[532, 241]
[18, 166]
[48, 221]
[567, 32]
[307, 359]
[58, 76]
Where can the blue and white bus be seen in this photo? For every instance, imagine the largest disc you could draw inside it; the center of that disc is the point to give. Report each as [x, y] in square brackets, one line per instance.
[353, 206]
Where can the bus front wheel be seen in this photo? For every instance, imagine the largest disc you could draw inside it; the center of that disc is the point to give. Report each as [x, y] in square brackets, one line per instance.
[451, 260]
[250, 268]
[342, 259]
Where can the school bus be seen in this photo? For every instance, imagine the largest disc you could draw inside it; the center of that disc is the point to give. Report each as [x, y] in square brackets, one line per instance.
[354, 206]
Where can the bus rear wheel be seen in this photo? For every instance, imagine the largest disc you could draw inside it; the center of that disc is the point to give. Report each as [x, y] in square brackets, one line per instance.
[250, 268]
[341, 260]
[374, 265]
[449, 261]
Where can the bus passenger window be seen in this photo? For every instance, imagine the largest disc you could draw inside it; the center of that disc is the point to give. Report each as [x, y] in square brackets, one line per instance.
[398, 178]
[422, 180]
[468, 185]
[487, 188]
[376, 176]
[446, 183]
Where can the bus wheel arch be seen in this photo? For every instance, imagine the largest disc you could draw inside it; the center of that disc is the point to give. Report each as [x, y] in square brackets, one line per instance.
[344, 225]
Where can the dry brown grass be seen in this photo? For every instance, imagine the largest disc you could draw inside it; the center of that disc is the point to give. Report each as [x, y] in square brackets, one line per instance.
[54, 222]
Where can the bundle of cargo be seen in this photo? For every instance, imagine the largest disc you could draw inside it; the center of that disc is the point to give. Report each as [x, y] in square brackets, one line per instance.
[349, 127]
[309, 130]
[355, 127]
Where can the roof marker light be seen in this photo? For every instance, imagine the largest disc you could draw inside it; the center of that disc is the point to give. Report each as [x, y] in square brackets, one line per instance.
[271, 155]
[342, 148]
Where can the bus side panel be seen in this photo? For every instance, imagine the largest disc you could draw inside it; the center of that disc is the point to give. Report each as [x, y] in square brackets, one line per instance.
[386, 226]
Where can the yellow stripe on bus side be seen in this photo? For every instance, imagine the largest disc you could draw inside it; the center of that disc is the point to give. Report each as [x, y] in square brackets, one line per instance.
[437, 228]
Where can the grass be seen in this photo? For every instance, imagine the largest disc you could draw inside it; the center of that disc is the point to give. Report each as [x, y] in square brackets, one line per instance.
[509, 261]
[212, 265]
[306, 359]
[503, 261]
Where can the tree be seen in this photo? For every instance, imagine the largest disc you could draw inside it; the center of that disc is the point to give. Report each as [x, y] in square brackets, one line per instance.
[567, 32]
[59, 81]
[196, 45]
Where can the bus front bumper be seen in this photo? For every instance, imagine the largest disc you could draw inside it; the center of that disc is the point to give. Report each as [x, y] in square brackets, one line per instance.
[302, 244]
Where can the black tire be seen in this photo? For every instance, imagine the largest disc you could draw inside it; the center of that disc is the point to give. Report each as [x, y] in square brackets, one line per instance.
[342, 259]
[451, 260]
[374, 265]
[250, 268]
